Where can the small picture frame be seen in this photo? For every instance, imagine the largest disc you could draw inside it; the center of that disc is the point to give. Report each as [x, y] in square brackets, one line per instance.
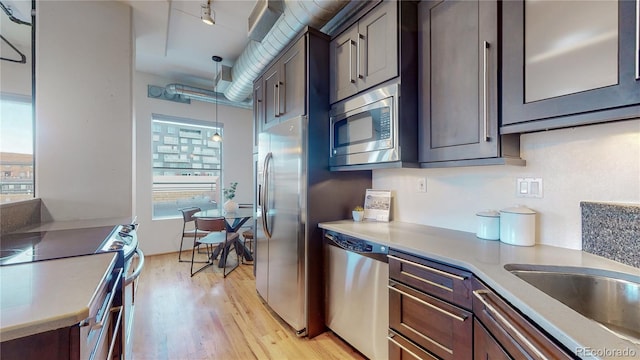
[377, 204]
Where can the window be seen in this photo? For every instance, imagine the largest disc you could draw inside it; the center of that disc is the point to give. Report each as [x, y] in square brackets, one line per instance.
[16, 148]
[187, 165]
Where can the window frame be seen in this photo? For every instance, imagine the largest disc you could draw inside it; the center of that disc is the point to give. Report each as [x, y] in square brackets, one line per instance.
[217, 167]
[27, 100]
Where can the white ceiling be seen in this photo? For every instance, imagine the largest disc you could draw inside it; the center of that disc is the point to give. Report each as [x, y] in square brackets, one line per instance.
[171, 40]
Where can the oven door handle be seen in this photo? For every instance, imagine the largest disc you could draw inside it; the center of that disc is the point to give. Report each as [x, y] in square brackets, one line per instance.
[128, 280]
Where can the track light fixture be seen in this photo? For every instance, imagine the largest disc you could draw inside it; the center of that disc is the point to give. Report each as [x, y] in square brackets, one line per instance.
[205, 14]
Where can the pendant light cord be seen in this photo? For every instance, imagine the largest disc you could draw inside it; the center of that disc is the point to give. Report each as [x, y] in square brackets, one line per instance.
[217, 59]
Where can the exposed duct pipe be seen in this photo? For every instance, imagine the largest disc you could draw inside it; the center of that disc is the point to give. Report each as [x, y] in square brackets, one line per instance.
[205, 95]
[255, 57]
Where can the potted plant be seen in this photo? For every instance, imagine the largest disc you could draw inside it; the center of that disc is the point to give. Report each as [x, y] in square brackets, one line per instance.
[357, 213]
[230, 193]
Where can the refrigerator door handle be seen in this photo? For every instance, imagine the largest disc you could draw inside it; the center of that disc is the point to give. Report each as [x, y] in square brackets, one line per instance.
[265, 192]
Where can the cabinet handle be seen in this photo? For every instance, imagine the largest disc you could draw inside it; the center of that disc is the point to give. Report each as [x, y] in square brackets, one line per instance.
[358, 59]
[391, 338]
[439, 272]
[426, 281]
[443, 311]
[485, 90]
[637, 39]
[276, 103]
[280, 84]
[497, 316]
[352, 43]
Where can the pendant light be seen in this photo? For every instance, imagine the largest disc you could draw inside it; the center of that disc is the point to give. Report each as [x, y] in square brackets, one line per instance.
[216, 137]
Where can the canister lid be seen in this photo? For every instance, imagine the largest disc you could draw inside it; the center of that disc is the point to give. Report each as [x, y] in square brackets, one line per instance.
[488, 213]
[518, 209]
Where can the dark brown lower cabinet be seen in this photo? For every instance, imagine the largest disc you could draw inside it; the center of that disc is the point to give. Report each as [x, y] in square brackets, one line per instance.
[443, 329]
[427, 315]
[438, 311]
[60, 344]
[515, 334]
[400, 348]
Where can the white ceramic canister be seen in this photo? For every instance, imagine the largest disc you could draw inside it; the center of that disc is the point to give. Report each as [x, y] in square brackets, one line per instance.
[518, 226]
[488, 225]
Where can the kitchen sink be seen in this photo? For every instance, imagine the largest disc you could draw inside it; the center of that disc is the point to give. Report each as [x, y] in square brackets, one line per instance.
[609, 298]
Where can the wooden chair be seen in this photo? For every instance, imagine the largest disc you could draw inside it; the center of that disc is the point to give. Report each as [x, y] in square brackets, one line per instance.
[187, 217]
[216, 235]
[247, 235]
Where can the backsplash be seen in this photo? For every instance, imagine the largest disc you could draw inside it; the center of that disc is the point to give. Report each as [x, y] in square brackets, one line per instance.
[576, 164]
[612, 231]
[16, 215]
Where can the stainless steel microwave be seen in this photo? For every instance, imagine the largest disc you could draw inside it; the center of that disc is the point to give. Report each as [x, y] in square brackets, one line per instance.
[365, 130]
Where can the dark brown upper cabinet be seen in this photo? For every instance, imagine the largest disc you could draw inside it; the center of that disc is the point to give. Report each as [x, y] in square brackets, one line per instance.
[568, 63]
[458, 86]
[366, 54]
[284, 87]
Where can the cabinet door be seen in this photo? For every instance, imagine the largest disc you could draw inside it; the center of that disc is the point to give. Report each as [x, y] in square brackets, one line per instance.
[458, 69]
[258, 111]
[377, 44]
[516, 335]
[292, 81]
[400, 348]
[271, 97]
[441, 328]
[554, 75]
[342, 56]
[445, 282]
[485, 347]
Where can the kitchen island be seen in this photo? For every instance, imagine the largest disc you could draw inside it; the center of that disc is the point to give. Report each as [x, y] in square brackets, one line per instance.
[486, 260]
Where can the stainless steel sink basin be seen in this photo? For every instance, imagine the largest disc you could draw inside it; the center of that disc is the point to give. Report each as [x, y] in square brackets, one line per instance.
[610, 298]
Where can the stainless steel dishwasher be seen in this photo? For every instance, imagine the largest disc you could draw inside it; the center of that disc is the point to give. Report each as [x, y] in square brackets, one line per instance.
[357, 301]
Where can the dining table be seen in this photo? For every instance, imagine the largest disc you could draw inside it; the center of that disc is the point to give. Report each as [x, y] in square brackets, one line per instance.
[233, 221]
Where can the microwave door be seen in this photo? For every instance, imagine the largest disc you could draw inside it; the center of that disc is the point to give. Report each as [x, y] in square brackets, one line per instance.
[359, 132]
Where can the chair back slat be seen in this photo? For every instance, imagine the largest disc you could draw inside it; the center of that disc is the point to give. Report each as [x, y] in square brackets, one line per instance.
[187, 213]
[211, 224]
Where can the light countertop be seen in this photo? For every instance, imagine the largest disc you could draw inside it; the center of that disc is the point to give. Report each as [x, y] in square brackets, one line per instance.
[46, 295]
[486, 259]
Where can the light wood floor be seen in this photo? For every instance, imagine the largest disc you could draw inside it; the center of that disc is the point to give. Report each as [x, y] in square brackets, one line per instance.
[208, 317]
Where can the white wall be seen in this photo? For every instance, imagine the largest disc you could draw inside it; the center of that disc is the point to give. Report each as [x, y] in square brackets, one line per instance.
[83, 109]
[161, 236]
[590, 163]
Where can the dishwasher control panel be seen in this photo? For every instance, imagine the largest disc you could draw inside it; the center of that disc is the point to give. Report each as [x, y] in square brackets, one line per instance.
[355, 244]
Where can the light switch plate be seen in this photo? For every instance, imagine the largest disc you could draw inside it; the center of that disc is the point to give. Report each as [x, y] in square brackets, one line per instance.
[529, 187]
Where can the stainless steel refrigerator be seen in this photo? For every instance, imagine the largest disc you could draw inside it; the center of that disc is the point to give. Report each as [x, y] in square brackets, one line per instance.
[296, 191]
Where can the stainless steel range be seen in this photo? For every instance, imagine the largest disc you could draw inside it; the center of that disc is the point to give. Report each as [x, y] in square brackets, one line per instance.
[124, 239]
[34, 246]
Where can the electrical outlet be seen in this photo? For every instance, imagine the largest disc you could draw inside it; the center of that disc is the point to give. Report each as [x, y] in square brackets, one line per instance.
[421, 185]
